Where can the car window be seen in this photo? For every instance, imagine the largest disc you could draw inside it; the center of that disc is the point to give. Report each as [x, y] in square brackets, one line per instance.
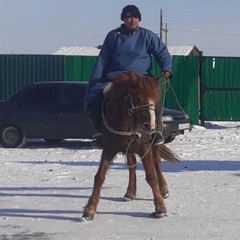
[41, 95]
[73, 94]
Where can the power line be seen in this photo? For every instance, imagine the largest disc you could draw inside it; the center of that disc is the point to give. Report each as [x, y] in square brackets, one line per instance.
[205, 32]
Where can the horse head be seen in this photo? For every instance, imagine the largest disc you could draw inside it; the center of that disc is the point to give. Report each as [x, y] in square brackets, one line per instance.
[131, 103]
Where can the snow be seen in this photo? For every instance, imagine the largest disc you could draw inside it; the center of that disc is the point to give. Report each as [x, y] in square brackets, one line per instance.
[44, 188]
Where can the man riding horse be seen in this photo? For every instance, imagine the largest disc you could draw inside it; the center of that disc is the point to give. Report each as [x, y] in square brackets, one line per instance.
[127, 48]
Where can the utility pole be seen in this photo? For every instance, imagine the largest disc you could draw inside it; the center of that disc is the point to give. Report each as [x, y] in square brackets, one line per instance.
[161, 24]
[161, 27]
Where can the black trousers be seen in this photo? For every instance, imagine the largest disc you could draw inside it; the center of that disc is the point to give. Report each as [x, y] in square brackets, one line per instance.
[94, 112]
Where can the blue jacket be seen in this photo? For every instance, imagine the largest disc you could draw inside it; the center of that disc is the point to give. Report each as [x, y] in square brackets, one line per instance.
[123, 51]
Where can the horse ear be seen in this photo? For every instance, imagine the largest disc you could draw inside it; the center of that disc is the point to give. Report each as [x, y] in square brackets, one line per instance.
[134, 77]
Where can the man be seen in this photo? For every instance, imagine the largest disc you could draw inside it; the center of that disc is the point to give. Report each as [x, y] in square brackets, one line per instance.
[127, 48]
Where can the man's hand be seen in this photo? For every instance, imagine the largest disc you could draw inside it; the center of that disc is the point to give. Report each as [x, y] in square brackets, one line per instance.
[167, 74]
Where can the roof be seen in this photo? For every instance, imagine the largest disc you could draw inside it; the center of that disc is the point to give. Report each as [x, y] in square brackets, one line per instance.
[183, 50]
[94, 51]
[81, 51]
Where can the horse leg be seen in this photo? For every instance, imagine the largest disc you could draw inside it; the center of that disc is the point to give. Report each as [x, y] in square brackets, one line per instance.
[91, 207]
[132, 183]
[163, 188]
[151, 178]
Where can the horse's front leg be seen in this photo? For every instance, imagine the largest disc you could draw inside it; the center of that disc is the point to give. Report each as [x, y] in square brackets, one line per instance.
[158, 168]
[91, 207]
[132, 183]
[151, 178]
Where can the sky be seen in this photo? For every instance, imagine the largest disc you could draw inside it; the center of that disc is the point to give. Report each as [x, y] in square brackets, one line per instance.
[44, 188]
[43, 26]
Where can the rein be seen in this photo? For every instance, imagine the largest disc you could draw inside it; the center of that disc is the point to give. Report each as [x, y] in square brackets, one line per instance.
[122, 133]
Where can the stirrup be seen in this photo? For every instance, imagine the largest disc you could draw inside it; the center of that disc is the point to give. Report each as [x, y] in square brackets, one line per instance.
[97, 140]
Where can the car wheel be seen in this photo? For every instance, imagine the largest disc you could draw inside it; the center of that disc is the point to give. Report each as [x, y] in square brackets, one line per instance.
[169, 139]
[11, 137]
[53, 140]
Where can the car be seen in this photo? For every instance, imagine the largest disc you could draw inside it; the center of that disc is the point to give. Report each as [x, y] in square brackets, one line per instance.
[53, 111]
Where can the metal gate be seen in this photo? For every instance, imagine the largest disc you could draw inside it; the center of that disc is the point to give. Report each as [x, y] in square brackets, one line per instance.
[220, 89]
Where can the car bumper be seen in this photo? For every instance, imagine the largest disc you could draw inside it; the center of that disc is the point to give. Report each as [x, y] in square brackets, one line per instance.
[173, 128]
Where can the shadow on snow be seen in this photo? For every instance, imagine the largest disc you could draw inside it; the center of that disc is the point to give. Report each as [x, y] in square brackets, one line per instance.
[183, 165]
[50, 214]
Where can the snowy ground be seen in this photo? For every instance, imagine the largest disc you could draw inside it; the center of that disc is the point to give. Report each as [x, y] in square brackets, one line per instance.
[44, 188]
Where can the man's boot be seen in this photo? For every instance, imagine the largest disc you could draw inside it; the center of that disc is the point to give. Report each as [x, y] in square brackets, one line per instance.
[97, 140]
[97, 137]
[157, 137]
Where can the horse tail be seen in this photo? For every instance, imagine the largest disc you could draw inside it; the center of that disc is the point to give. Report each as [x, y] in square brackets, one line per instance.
[168, 154]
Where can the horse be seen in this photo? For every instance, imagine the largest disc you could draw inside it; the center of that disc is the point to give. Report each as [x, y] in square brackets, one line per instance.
[128, 123]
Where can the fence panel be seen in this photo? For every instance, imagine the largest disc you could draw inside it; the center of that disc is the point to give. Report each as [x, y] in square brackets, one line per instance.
[17, 71]
[79, 68]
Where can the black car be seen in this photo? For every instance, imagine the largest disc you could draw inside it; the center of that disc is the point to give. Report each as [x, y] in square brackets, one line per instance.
[54, 111]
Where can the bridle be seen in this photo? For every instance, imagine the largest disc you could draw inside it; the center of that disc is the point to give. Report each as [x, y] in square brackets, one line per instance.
[133, 108]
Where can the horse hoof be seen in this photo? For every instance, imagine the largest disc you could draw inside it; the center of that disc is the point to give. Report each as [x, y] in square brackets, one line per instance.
[128, 199]
[158, 215]
[87, 218]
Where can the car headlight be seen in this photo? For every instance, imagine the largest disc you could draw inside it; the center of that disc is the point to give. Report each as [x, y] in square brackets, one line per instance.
[167, 118]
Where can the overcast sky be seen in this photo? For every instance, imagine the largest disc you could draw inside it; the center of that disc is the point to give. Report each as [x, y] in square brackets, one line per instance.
[43, 26]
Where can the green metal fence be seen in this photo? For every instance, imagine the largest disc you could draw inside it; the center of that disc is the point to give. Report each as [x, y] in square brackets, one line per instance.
[17, 71]
[208, 89]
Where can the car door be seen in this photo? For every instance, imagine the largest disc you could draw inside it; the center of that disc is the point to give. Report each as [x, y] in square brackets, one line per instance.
[36, 114]
[73, 121]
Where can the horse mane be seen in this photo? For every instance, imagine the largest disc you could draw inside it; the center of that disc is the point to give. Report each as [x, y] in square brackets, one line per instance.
[145, 86]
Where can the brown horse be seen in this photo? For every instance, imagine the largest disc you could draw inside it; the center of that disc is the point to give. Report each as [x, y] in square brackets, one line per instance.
[129, 121]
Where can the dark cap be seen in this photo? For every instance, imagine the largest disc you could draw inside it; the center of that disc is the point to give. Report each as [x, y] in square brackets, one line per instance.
[130, 11]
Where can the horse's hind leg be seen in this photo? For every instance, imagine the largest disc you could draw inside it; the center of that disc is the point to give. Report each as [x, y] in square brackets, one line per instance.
[151, 178]
[91, 207]
[132, 183]
[163, 188]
